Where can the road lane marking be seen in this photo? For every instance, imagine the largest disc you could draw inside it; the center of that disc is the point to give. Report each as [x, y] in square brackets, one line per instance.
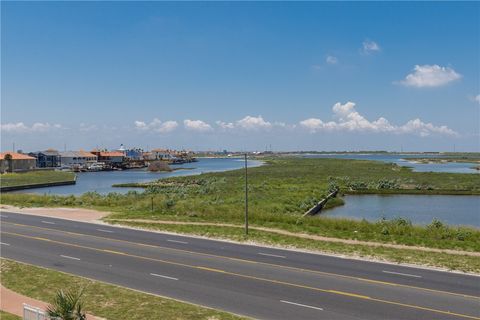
[177, 241]
[245, 276]
[301, 305]
[3, 216]
[271, 255]
[252, 261]
[343, 293]
[211, 269]
[103, 230]
[48, 222]
[402, 274]
[5, 244]
[162, 276]
[68, 257]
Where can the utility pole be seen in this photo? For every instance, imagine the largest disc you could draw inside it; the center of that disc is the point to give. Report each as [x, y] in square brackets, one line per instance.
[246, 196]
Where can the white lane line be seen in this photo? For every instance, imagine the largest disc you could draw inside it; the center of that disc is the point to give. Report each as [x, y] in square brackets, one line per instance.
[271, 255]
[3, 216]
[103, 230]
[68, 257]
[177, 241]
[402, 274]
[5, 244]
[161, 276]
[301, 305]
[48, 222]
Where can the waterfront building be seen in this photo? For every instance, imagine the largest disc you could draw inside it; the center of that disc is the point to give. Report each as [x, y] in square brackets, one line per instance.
[77, 158]
[16, 162]
[46, 159]
[110, 157]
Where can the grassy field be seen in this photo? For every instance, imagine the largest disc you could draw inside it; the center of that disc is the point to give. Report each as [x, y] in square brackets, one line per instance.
[103, 300]
[8, 316]
[279, 193]
[34, 177]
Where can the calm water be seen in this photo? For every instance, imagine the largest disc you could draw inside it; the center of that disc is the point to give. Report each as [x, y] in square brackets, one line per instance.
[102, 181]
[402, 160]
[420, 209]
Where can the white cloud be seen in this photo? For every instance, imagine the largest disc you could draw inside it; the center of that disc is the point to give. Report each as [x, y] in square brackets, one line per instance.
[430, 76]
[348, 119]
[331, 60]
[477, 98]
[197, 125]
[156, 125]
[253, 123]
[225, 125]
[20, 127]
[370, 46]
[425, 129]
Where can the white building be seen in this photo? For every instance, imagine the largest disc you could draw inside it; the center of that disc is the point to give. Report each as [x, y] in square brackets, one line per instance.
[76, 158]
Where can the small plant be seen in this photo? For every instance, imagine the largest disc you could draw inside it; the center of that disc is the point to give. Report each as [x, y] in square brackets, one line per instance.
[436, 224]
[67, 305]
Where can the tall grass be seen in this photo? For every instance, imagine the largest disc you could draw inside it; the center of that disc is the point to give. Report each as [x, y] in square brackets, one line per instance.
[279, 194]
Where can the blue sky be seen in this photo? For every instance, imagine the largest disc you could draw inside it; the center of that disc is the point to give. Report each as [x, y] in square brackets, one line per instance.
[296, 76]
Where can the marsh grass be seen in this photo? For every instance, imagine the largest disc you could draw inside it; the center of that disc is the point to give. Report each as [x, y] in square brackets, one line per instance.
[279, 193]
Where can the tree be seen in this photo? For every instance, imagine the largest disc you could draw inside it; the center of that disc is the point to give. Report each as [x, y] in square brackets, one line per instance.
[67, 305]
[8, 158]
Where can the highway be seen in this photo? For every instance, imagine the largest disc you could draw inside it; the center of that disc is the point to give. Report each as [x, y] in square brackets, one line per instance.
[253, 281]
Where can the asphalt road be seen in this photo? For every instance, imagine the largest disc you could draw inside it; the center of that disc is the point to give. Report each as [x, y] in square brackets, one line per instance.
[249, 280]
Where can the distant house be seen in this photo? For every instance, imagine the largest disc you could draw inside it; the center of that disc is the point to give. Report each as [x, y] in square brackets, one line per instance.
[46, 159]
[134, 154]
[76, 158]
[163, 154]
[17, 162]
[110, 157]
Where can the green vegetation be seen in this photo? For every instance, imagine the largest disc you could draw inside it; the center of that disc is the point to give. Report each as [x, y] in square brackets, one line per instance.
[8, 316]
[101, 299]
[279, 194]
[34, 177]
[67, 305]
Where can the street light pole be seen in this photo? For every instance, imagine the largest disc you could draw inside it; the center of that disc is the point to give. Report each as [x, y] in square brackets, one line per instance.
[246, 196]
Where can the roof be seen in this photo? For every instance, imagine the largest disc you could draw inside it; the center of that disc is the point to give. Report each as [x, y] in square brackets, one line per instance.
[16, 156]
[111, 154]
[71, 154]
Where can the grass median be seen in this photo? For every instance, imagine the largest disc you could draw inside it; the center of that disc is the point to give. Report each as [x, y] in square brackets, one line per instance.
[101, 299]
[8, 316]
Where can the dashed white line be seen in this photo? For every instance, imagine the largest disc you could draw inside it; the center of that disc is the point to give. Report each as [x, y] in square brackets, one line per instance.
[271, 255]
[68, 257]
[402, 274]
[177, 241]
[103, 230]
[302, 305]
[48, 222]
[162, 276]
[5, 244]
[3, 216]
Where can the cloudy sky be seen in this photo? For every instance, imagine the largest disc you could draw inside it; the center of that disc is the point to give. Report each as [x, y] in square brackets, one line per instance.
[241, 76]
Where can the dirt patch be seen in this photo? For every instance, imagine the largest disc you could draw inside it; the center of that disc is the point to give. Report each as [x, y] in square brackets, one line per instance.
[77, 214]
